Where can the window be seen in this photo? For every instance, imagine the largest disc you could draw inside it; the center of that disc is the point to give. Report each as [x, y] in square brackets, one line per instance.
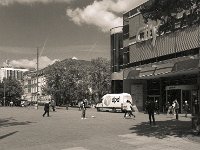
[126, 31]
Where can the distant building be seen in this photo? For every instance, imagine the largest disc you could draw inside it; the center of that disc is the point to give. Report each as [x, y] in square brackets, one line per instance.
[11, 72]
[31, 93]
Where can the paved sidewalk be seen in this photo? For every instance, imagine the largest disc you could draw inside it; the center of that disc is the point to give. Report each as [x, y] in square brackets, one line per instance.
[26, 129]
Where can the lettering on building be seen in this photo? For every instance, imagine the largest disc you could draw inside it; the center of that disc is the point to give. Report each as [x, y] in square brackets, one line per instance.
[149, 31]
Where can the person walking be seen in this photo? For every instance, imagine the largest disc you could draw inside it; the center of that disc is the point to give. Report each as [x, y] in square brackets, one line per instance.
[173, 107]
[53, 105]
[151, 109]
[168, 108]
[176, 108]
[83, 108]
[186, 108]
[129, 109]
[46, 109]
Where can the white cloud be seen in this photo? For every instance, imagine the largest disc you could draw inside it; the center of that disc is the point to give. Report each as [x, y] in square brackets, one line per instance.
[102, 14]
[7, 2]
[44, 61]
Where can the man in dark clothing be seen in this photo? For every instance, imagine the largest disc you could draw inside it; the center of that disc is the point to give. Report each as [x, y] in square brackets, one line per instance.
[186, 108]
[46, 109]
[83, 108]
[151, 109]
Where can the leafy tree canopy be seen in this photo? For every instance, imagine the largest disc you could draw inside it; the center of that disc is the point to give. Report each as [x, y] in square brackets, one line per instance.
[169, 12]
[13, 90]
[70, 81]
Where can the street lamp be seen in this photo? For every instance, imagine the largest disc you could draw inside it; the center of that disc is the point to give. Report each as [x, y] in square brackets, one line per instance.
[4, 93]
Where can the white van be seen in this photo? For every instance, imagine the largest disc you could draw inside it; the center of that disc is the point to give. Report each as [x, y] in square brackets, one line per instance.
[114, 101]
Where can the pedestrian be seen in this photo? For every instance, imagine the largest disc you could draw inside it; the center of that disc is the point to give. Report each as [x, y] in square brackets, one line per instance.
[196, 106]
[197, 124]
[173, 107]
[124, 109]
[176, 108]
[186, 108]
[80, 105]
[67, 105]
[157, 107]
[46, 109]
[168, 108]
[83, 108]
[11, 103]
[145, 111]
[53, 105]
[129, 109]
[151, 109]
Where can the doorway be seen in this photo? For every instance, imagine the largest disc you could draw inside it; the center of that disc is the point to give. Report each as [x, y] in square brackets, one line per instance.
[171, 95]
[182, 93]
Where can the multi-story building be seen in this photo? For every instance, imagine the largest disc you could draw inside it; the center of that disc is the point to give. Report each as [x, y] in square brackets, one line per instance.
[6, 72]
[33, 85]
[162, 67]
[116, 59]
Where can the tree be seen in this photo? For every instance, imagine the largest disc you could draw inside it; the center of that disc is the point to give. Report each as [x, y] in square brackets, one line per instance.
[166, 11]
[100, 77]
[71, 81]
[66, 81]
[13, 90]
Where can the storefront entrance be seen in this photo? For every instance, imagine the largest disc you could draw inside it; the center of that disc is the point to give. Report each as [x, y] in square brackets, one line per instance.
[181, 93]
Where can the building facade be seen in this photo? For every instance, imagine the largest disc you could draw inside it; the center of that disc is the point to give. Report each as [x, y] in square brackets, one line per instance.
[7, 72]
[33, 86]
[163, 67]
[116, 59]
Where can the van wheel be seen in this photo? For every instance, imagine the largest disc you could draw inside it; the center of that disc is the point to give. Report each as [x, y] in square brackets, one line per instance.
[98, 109]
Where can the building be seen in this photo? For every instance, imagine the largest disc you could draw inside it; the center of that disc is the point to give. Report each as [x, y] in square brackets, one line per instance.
[163, 67]
[116, 59]
[11, 72]
[32, 90]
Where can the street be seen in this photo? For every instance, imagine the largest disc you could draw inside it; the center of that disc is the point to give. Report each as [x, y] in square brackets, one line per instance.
[26, 129]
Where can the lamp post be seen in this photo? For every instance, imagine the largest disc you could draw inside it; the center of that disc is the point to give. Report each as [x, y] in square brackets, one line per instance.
[4, 93]
[37, 75]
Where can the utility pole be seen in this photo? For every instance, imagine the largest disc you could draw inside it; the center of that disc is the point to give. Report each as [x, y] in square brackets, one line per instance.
[37, 75]
[4, 93]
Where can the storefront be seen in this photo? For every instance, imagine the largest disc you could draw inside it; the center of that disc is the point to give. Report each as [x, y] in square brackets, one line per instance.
[176, 83]
[182, 93]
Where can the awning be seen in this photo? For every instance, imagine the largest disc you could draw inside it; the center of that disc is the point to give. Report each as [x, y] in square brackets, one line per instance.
[147, 71]
[186, 65]
[163, 69]
[133, 74]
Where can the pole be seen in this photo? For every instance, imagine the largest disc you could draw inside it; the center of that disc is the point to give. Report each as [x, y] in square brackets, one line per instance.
[4, 93]
[37, 75]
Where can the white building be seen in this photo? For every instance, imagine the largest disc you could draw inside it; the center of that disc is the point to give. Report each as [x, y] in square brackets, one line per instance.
[6, 72]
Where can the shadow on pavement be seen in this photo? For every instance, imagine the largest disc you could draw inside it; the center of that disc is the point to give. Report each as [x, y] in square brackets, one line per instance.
[9, 134]
[163, 129]
[12, 122]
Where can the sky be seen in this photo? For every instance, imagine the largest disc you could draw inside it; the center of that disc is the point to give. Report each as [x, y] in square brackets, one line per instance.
[60, 29]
